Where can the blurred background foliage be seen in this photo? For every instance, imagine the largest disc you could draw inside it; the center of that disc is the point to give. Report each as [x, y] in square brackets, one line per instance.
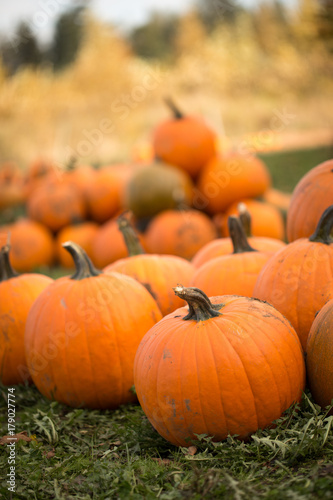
[231, 64]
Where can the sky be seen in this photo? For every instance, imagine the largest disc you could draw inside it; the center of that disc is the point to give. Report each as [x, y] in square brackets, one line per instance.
[41, 14]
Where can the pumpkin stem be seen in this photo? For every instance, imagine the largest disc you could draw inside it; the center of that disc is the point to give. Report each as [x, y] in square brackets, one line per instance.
[6, 270]
[84, 266]
[238, 236]
[245, 218]
[178, 115]
[132, 241]
[323, 230]
[199, 305]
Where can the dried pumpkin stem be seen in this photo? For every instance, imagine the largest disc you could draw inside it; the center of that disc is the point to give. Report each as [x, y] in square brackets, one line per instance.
[238, 236]
[84, 266]
[324, 228]
[6, 270]
[132, 241]
[200, 307]
[245, 218]
[178, 115]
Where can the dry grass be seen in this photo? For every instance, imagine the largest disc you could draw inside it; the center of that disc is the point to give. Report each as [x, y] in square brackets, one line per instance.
[109, 101]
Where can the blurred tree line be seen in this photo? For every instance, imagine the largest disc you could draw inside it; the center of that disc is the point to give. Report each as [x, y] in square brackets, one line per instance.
[165, 36]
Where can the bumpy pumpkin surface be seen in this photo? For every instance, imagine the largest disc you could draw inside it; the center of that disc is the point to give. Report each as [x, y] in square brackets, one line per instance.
[82, 334]
[311, 196]
[225, 365]
[298, 279]
[319, 356]
[17, 294]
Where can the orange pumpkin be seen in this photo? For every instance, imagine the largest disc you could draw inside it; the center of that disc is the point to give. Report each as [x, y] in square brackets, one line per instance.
[17, 294]
[319, 355]
[227, 179]
[158, 273]
[278, 199]
[224, 365]
[106, 191]
[83, 234]
[266, 220]
[298, 280]
[82, 334]
[184, 141]
[233, 274]
[311, 196]
[32, 245]
[180, 233]
[11, 185]
[56, 204]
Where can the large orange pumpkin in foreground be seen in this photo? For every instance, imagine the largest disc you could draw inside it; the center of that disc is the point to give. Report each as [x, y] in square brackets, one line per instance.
[158, 273]
[319, 356]
[17, 294]
[184, 141]
[82, 334]
[231, 178]
[312, 195]
[224, 365]
[298, 279]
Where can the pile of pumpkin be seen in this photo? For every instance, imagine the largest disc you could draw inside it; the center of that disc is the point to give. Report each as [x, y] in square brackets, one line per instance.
[214, 340]
[181, 200]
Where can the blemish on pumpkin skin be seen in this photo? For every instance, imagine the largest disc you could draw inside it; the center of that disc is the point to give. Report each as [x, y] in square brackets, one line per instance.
[187, 404]
[63, 303]
[167, 354]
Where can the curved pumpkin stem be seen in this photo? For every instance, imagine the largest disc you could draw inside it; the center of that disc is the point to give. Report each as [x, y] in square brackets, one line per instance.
[84, 266]
[6, 270]
[132, 241]
[245, 218]
[200, 307]
[324, 228]
[238, 236]
[178, 115]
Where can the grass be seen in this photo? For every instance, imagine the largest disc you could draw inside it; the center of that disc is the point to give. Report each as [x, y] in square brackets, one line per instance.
[85, 454]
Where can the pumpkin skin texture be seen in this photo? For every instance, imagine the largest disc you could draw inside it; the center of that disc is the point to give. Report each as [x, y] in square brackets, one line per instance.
[225, 180]
[180, 233]
[17, 294]
[233, 274]
[319, 356]
[82, 334]
[311, 196]
[157, 187]
[82, 234]
[266, 220]
[184, 141]
[32, 245]
[298, 280]
[230, 367]
[158, 273]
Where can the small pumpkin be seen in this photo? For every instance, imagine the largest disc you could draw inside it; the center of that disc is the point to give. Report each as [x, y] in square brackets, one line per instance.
[83, 234]
[17, 294]
[233, 274]
[231, 178]
[56, 204]
[319, 356]
[224, 246]
[278, 199]
[184, 141]
[311, 196]
[179, 232]
[32, 245]
[158, 273]
[223, 365]
[266, 220]
[157, 187]
[298, 279]
[82, 334]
